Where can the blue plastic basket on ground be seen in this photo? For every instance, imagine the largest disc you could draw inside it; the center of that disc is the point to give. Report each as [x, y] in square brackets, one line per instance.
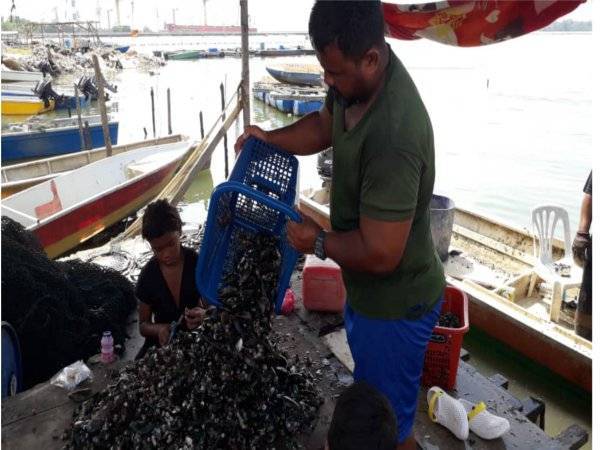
[257, 199]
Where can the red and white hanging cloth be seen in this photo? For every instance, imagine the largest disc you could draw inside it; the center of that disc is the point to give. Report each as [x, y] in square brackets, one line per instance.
[473, 23]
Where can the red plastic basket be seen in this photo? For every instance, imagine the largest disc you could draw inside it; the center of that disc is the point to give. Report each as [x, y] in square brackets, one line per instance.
[443, 351]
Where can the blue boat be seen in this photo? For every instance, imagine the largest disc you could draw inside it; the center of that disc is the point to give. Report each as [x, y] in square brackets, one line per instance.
[70, 102]
[301, 108]
[299, 76]
[122, 49]
[60, 140]
[285, 105]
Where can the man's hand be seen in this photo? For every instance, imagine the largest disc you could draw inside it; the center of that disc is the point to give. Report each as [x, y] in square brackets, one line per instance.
[194, 317]
[582, 245]
[164, 333]
[302, 236]
[252, 130]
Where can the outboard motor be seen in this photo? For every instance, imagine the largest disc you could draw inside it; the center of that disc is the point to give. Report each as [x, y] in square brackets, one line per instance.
[45, 92]
[88, 88]
[325, 164]
[111, 87]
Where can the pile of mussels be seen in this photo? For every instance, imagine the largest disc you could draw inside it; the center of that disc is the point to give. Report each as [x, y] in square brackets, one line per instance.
[222, 386]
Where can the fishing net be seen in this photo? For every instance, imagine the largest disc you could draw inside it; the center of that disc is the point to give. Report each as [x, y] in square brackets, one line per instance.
[58, 309]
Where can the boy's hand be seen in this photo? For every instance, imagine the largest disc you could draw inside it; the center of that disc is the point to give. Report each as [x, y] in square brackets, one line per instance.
[194, 317]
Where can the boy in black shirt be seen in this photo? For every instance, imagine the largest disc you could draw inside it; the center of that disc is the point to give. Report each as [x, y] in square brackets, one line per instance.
[166, 287]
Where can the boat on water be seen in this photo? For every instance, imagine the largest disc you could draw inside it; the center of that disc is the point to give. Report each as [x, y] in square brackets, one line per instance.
[212, 53]
[297, 74]
[20, 176]
[297, 100]
[493, 264]
[122, 49]
[21, 88]
[58, 137]
[21, 75]
[282, 51]
[25, 105]
[65, 101]
[181, 55]
[45, 91]
[73, 207]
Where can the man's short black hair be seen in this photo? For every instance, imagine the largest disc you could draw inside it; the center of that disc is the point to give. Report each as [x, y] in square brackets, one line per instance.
[355, 26]
[160, 218]
[363, 419]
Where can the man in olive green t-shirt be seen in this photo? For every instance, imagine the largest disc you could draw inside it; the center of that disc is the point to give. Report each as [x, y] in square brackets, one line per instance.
[382, 183]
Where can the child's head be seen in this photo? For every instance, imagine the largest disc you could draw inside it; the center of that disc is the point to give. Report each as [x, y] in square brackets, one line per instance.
[161, 227]
[362, 419]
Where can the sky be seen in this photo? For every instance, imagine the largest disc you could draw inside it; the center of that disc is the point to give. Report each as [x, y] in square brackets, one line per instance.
[265, 15]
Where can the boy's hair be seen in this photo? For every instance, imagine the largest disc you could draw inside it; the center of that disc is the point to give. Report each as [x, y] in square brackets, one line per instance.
[160, 218]
[362, 419]
[355, 26]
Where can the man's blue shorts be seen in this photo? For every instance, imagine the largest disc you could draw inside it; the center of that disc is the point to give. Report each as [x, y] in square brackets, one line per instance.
[389, 355]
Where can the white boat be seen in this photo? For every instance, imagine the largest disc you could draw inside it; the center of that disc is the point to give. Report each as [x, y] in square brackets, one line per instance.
[73, 207]
[24, 88]
[493, 264]
[17, 177]
[21, 75]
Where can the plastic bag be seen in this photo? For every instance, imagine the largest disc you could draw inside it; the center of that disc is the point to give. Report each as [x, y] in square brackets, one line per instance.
[71, 376]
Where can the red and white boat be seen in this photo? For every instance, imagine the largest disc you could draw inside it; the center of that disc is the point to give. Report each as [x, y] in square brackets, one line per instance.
[71, 208]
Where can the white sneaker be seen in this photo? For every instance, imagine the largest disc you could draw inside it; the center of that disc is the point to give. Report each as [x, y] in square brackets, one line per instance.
[482, 422]
[449, 412]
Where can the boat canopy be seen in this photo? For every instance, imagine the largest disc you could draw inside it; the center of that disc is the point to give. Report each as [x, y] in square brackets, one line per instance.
[473, 23]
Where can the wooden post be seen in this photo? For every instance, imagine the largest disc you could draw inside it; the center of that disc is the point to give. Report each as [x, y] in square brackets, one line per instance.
[224, 135]
[245, 63]
[153, 114]
[88, 136]
[169, 109]
[101, 102]
[81, 139]
[201, 126]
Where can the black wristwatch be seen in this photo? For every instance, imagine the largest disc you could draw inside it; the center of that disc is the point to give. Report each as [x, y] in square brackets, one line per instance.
[320, 245]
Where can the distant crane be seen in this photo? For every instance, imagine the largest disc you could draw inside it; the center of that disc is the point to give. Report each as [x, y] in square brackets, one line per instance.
[98, 11]
[118, 9]
[13, 8]
[75, 13]
[204, 8]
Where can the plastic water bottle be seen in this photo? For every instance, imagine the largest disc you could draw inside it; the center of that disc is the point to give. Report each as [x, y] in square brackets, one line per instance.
[288, 302]
[107, 348]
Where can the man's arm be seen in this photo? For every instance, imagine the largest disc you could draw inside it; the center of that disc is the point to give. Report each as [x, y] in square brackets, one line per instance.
[376, 247]
[309, 135]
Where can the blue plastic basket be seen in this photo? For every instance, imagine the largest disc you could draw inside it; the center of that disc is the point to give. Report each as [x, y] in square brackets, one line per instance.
[235, 207]
[268, 170]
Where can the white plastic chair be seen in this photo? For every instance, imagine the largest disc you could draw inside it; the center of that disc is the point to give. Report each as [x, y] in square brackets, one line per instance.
[544, 221]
